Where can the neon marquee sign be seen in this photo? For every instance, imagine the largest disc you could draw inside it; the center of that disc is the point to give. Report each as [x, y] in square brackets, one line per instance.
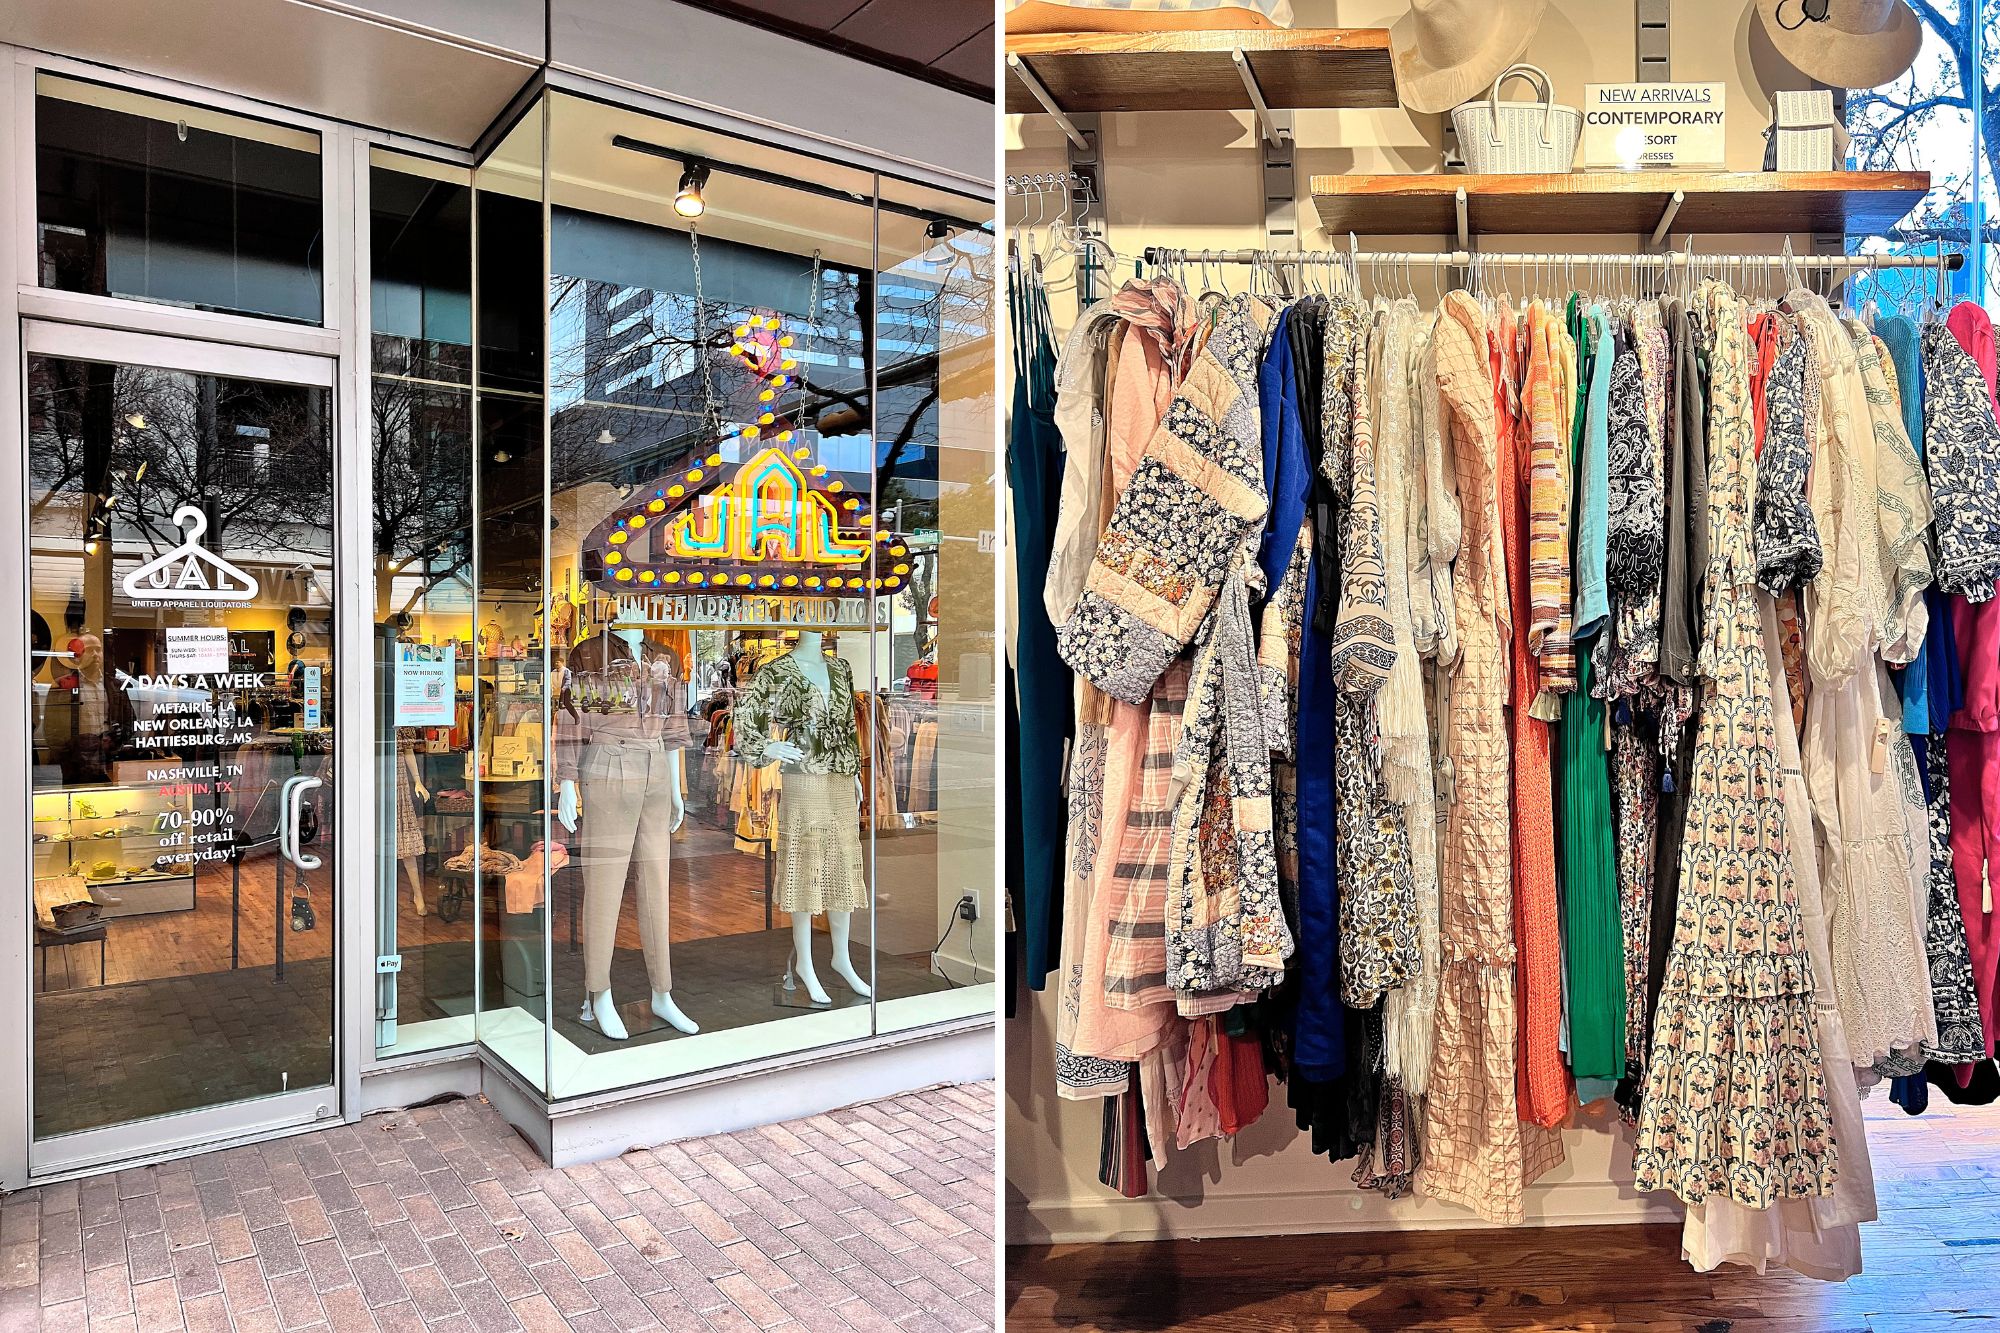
[776, 524]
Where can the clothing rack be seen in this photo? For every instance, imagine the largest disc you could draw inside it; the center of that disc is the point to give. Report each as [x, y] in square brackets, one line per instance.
[1950, 262]
[1046, 182]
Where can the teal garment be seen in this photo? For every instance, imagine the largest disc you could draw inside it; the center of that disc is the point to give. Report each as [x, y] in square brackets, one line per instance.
[1593, 474]
[1593, 929]
[1042, 691]
[1586, 859]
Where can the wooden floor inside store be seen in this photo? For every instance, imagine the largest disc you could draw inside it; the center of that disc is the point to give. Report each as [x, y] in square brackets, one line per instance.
[1932, 1262]
[714, 891]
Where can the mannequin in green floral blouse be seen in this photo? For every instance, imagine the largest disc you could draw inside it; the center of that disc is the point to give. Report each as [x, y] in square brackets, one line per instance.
[799, 714]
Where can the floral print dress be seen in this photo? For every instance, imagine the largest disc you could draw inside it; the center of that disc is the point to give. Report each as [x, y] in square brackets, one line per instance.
[1378, 909]
[1736, 1095]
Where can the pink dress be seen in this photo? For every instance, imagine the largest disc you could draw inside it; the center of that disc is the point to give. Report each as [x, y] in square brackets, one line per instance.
[1973, 744]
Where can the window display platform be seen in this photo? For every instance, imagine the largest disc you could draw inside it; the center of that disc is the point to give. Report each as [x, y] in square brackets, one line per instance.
[723, 983]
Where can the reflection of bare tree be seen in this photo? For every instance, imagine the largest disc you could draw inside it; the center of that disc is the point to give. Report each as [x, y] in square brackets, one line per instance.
[60, 461]
[423, 484]
[643, 378]
[257, 458]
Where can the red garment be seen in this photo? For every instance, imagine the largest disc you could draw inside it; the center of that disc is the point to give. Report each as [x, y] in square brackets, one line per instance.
[1237, 1082]
[1764, 354]
[1541, 1082]
[1972, 746]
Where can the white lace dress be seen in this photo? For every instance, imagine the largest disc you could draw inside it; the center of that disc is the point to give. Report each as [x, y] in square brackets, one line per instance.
[1867, 798]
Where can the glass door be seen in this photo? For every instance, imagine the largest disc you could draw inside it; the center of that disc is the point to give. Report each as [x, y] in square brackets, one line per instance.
[181, 565]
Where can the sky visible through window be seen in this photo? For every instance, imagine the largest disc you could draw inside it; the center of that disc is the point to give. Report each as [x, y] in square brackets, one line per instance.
[1942, 116]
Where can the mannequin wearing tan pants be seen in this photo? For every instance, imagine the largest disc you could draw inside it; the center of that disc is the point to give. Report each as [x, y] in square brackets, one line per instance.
[631, 806]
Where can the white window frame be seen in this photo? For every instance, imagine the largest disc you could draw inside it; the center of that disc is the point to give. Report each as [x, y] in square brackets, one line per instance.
[340, 345]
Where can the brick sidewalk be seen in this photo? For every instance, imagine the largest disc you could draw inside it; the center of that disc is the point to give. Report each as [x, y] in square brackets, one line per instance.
[875, 1217]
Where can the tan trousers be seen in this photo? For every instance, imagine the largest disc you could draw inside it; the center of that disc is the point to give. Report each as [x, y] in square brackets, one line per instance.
[626, 791]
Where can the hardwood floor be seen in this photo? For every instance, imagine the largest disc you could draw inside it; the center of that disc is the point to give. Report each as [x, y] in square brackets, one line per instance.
[1932, 1262]
[713, 892]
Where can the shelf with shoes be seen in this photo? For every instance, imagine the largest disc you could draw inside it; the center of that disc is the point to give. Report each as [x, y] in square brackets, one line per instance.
[118, 842]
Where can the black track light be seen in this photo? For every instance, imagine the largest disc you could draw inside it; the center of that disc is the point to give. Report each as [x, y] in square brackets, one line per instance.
[687, 199]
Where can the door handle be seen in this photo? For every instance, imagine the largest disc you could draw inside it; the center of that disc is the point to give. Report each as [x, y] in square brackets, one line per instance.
[285, 817]
[288, 831]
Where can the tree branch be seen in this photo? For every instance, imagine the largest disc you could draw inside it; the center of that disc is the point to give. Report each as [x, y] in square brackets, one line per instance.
[1943, 26]
[1881, 132]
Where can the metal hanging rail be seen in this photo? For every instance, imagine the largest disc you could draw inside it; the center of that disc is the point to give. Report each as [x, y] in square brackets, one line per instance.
[1159, 254]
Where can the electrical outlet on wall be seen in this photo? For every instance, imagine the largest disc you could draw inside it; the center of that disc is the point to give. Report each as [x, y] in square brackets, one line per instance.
[968, 905]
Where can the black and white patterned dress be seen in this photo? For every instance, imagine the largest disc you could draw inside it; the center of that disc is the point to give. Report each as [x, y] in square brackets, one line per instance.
[1962, 454]
[1787, 538]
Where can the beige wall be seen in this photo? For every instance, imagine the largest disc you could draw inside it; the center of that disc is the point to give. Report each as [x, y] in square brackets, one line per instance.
[1191, 180]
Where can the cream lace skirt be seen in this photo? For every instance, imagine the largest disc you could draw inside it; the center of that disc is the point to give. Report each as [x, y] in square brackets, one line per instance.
[819, 845]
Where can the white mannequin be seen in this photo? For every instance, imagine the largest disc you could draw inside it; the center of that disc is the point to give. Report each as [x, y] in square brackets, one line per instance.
[600, 1007]
[809, 654]
[413, 866]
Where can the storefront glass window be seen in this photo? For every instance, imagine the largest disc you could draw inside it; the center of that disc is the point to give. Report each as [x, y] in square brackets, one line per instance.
[153, 200]
[710, 420]
[504, 865]
[935, 753]
[420, 417]
[1935, 118]
[748, 819]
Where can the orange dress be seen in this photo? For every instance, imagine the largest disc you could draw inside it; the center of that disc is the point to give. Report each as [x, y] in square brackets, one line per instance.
[1542, 1081]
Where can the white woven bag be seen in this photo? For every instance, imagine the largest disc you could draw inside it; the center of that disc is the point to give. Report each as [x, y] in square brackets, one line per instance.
[1515, 137]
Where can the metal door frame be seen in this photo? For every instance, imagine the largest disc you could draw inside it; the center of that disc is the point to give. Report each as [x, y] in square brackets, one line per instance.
[179, 1131]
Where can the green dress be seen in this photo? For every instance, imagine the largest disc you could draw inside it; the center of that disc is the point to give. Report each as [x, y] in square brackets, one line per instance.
[1587, 860]
[1593, 931]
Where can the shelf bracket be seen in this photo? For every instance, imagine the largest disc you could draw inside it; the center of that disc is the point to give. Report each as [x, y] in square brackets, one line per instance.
[1047, 99]
[1086, 194]
[1268, 125]
[1667, 216]
[1464, 226]
[1277, 173]
[1653, 30]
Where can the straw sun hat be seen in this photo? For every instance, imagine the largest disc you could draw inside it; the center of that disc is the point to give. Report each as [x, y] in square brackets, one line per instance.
[1450, 51]
[1844, 43]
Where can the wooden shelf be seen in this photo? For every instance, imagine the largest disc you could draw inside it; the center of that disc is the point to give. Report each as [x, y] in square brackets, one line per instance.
[1620, 201]
[1196, 71]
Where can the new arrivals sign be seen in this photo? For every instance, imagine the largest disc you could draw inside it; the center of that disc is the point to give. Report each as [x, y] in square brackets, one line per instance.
[1633, 125]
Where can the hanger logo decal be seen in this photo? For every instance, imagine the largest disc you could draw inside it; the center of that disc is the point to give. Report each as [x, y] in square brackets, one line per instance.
[190, 573]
